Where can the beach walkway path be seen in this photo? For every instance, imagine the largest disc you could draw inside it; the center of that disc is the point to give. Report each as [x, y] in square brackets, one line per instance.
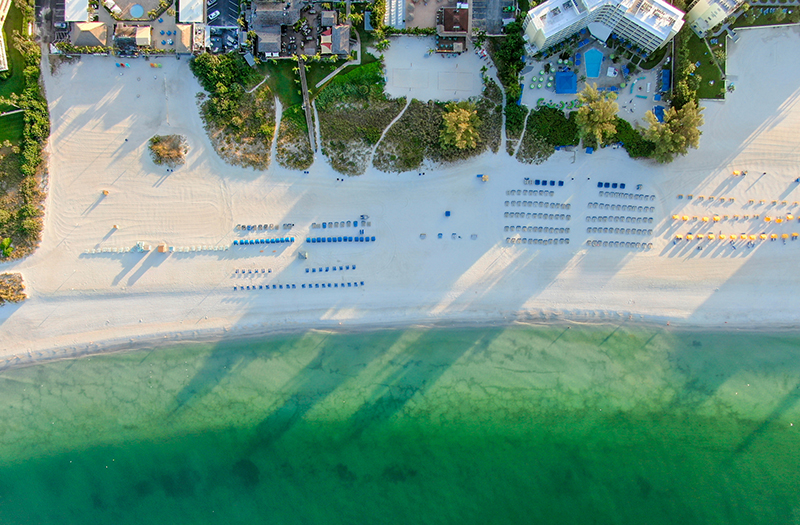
[386, 130]
[307, 104]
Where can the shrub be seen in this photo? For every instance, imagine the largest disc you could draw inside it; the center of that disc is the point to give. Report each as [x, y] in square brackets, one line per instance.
[12, 289]
[515, 119]
[633, 141]
[168, 150]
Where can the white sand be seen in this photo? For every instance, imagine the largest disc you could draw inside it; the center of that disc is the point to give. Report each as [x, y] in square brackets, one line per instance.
[78, 299]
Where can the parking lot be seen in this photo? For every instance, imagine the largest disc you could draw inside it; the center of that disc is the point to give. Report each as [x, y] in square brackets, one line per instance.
[223, 39]
[304, 41]
[228, 13]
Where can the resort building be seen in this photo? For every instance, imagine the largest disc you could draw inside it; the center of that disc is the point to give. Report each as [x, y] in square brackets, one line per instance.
[453, 26]
[648, 24]
[707, 14]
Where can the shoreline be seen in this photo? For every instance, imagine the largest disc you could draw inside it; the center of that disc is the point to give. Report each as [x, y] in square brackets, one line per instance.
[154, 341]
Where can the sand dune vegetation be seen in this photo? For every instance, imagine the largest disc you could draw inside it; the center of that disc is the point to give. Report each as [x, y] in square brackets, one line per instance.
[12, 290]
[168, 150]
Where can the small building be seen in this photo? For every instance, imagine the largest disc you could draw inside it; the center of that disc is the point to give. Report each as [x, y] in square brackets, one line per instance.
[335, 41]
[129, 38]
[452, 28]
[89, 34]
[707, 14]
[269, 41]
[76, 11]
[190, 11]
[328, 18]
[183, 40]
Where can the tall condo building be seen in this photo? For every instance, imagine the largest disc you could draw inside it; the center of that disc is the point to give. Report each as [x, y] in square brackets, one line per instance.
[648, 24]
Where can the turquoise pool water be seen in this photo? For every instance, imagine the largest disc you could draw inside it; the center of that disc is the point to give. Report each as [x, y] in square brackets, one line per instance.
[601, 425]
[593, 58]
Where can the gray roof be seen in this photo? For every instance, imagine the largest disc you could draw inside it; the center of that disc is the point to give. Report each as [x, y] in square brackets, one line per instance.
[269, 15]
[328, 18]
[269, 39]
[340, 40]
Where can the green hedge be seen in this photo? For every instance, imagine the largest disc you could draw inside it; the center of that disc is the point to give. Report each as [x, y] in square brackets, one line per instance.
[552, 125]
[632, 140]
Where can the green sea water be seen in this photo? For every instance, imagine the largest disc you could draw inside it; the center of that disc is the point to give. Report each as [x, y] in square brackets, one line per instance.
[587, 425]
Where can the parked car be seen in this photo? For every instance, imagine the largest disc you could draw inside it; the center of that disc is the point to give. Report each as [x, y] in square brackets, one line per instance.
[211, 2]
[213, 16]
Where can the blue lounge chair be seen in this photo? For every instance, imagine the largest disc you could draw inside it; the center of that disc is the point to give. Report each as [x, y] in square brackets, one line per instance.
[324, 225]
[340, 268]
[306, 270]
[313, 240]
[622, 186]
[326, 268]
[361, 239]
[350, 239]
[354, 267]
[234, 288]
[260, 287]
[355, 285]
[334, 269]
[313, 270]
[347, 267]
[336, 285]
[292, 239]
[340, 239]
[303, 285]
[308, 239]
[329, 239]
[561, 183]
[280, 286]
[316, 285]
[362, 283]
[536, 182]
[235, 243]
[294, 287]
[349, 285]
[599, 184]
[373, 238]
[274, 286]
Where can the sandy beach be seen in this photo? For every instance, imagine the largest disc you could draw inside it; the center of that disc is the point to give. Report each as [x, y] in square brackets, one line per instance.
[102, 119]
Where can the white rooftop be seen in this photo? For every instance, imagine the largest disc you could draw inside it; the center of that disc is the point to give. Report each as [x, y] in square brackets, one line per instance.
[190, 11]
[76, 11]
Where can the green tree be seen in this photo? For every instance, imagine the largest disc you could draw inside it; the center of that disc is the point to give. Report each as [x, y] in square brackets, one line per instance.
[679, 131]
[597, 116]
[460, 126]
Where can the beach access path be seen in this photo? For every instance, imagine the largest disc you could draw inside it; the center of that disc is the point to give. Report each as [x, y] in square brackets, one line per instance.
[102, 119]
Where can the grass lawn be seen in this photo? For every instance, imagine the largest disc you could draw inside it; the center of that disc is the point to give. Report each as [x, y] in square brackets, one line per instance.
[708, 70]
[281, 80]
[655, 58]
[11, 126]
[762, 18]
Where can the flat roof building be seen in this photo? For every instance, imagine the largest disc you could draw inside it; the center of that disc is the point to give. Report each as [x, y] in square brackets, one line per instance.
[76, 11]
[190, 11]
[649, 24]
[707, 14]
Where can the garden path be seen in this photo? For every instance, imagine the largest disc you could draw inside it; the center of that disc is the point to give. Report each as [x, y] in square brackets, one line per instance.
[273, 150]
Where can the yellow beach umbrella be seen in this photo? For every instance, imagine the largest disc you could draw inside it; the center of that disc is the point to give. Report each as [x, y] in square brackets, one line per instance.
[779, 220]
[679, 236]
[763, 236]
[675, 217]
[705, 219]
[767, 219]
[752, 237]
[790, 217]
[716, 218]
[773, 236]
[711, 236]
[689, 236]
[743, 237]
[794, 235]
[685, 218]
[785, 236]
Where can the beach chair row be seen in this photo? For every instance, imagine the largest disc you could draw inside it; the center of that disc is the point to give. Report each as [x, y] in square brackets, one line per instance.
[619, 218]
[722, 200]
[621, 207]
[187, 249]
[331, 268]
[524, 215]
[717, 218]
[365, 238]
[248, 242]
[538, 193]
[620, 244]
[634, 196]
[543, 216]
[537, 182]
[539, 204]
[535, 229]
[731, 237]
[525, 240]
[612, 185]
[337, 224]
[248, 271]
[107, 250]
[256, 227]
[626, 231]
[251, 287]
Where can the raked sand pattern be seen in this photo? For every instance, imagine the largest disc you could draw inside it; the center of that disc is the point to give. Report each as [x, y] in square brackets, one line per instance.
[102, 119]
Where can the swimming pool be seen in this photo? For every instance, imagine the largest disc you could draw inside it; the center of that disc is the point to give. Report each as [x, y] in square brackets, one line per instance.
[593, 58]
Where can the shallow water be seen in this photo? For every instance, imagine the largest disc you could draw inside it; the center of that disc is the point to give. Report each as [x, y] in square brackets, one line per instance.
[501, 425]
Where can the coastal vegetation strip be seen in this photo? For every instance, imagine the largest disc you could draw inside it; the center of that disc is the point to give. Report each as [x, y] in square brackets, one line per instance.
[240, 124]
[168, 150]
[353, 112]
[293, 149]
[21, 155]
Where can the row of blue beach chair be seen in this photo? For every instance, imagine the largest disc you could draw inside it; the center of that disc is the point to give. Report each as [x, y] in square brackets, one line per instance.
[353, 284]
[365, 238]
[330, 268]
[247, 242]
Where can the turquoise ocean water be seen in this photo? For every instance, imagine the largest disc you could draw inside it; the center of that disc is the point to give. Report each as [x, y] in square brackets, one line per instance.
[588, 425]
